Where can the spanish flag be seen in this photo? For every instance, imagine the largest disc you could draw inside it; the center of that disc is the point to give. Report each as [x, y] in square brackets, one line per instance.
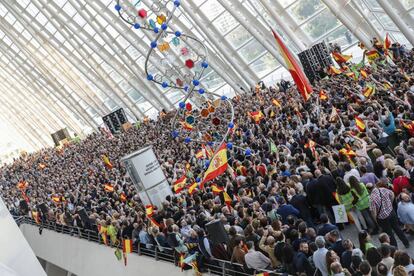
[199, 154]
[387, 42]
[180, 184]
[347, 151]
[364, 73]
[227, 200]
[218, 164]
[36, 217]
[149, 210]
[106, 161]
[340, 58]
[276, 103]
[108, 188]
[122, 197]
[257, 116]
[22, 185]
[350, 74]
[103, 231]
[322, 95]
[263, 274]
[333, 70]
[360, 124]
[186, 126]
[310, 144]
[216, 189]
[127, 246]
[192, 187]
[56, 199]
[368, 91]
[295, 70]
[409, 127]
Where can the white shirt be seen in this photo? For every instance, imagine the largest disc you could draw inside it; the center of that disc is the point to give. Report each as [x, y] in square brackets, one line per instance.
[319, 259]
[352, 172]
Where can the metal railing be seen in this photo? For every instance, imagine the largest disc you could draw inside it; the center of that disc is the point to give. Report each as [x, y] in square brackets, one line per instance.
[211, 266]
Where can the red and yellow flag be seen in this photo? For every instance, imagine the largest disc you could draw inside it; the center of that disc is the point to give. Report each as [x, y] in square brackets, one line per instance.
[218, 165]
[149, 210]
[108, 188]
[263, 274]
[340, 58]
[107, 163]
[186, 126]
[372, 55]
[322, 95]
[364, 73]
[127, 246]
[216, 189]
[333, 70]
[36, 217]
[192, 187]
[56, 199]
[122, 197]
[347, 151]
[199, 154]
[180, 184]
[257, 116]
[387, 42]
[22, 185]
[227, 199]
[360, 124]
[368, 91]
[295, 70]
[276, 103]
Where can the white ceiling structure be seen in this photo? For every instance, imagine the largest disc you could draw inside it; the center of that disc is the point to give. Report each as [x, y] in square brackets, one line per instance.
[67, 63]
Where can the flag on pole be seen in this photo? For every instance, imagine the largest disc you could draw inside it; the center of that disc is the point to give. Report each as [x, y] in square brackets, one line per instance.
[107, 162]
[340, 58]
[108, 188]
[276, 103]
[127, 246]
[387, 42]
[257, 116]
[298, 76]
[103, 232]
[363, 73]
[322, 95]
[360, 124]
[218, 165]
[199, 154]
[368, 91]
[179, 184]
[333, 70]
[216, 189]
[192, 188]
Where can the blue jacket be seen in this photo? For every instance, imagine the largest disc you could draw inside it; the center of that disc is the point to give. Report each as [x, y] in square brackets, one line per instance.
[285, 210]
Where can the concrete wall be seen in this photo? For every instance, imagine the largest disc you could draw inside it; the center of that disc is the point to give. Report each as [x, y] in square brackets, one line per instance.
[85, 258]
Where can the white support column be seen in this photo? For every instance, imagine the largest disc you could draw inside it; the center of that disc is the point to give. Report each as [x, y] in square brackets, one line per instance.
[226, 49]
[341, 13]
[300, 44]
[403, 13]
[395, 17]
[259, 32]
[374, 31]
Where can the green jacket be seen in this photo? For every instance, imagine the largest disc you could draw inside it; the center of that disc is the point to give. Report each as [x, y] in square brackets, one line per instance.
[346, 200]
[363, 199]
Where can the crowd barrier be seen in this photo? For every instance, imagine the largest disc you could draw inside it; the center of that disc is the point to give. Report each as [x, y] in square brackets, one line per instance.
[213, 267]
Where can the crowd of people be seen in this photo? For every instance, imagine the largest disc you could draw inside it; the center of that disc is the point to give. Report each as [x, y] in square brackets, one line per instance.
[341, 147]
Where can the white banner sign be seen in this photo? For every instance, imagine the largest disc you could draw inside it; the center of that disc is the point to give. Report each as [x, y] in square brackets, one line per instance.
[340, 213]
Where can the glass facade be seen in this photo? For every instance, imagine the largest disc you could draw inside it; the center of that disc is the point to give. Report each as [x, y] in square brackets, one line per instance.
[70, 62]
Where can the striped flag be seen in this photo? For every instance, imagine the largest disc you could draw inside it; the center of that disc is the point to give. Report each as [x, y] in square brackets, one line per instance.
[364, 73]
[216, 189]
[227, 200]
[322, 95]
[192, 188]
[387, 42]
[218, 165]
[107, 162]
[149, 210]
[276, 103]
[127, 246]
[108, 188]
[333, 70]
[180, 184]
[360, 124]
[186, 126]
[368, 91]
[199, 154]
[340, 58]
[257, 116]
[295, 70]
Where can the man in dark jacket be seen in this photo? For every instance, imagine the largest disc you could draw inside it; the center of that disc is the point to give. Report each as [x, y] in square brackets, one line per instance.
[301, 262]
